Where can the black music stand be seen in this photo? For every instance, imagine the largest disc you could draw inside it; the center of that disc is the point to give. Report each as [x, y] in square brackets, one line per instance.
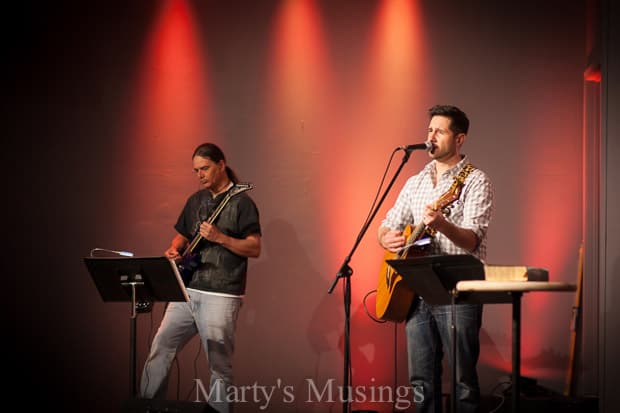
[434, 278]
[142, 281]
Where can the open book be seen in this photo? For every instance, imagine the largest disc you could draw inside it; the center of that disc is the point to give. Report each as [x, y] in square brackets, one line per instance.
[514, 273]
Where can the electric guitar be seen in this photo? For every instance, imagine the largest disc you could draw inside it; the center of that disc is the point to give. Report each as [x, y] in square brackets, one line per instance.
[190, 259]
[394, 297]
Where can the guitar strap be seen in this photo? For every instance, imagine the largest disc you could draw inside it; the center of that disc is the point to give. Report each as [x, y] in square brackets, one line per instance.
[467, 169]
[459, 181]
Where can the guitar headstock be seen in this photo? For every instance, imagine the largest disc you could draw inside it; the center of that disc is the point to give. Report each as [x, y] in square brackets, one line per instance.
[455, 190]
[450, 196]
[240, 187]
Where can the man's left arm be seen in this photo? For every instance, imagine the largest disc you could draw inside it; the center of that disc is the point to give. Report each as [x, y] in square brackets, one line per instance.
[476, 217]
[249, 246]
[461, 237]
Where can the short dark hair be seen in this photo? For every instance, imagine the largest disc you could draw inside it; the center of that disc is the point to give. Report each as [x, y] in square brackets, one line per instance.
[459, 121]
[213, 152]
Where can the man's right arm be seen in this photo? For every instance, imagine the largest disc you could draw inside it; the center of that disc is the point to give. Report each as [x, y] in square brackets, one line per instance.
[380, 233]
[178, 244]
[390, 239]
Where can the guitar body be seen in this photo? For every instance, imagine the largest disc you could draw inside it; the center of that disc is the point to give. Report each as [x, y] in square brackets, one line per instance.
[187, 266]
[394, 297]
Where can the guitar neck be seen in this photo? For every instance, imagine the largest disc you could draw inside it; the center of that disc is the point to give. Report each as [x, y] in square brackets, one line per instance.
[192, 245]
[419, 229]
[446, 199]
[413, 237]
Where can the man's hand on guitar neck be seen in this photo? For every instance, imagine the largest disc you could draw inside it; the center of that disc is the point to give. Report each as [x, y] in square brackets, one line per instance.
[462, 237]
[434, 218]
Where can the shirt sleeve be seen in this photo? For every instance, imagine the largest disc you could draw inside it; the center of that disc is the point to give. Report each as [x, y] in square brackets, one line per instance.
[401, 214]
[478, 205]
[248, 219]
[187, 222]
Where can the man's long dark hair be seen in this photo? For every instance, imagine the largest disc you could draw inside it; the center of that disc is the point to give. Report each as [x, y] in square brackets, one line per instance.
[459, 121]
[213, 152]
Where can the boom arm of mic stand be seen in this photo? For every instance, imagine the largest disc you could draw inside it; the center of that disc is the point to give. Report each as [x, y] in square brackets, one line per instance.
[345, 272]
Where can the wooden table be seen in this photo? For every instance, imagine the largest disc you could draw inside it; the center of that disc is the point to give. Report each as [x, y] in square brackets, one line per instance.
[496, 292]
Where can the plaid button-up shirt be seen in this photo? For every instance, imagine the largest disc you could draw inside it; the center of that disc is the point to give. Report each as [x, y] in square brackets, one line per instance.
[472, 210]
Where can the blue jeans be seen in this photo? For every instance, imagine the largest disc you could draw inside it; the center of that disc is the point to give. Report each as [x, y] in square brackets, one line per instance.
[211, 316]
[428, 338]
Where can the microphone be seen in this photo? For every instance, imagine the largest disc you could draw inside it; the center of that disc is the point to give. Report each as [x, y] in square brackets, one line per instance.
[427, 146]
[121, 253]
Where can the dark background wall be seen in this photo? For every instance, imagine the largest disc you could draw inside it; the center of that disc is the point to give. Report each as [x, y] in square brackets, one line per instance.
[105, 103]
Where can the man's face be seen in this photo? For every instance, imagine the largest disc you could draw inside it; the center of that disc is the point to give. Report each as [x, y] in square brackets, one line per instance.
[446, 143]
[209, 173]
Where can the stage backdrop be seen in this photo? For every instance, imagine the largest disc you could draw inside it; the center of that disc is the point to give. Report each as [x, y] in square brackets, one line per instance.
[308, 99]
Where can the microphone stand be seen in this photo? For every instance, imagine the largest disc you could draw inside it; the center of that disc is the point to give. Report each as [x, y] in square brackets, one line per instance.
[345, 273]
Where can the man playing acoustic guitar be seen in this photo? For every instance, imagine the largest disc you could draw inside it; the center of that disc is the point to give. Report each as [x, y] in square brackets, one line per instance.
[460, 227]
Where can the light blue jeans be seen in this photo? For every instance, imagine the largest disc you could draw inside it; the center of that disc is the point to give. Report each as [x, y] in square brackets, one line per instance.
[214, 318]
[428, 338]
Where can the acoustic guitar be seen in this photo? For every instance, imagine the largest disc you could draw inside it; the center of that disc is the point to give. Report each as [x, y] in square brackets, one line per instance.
[394, 297]
[190, 259]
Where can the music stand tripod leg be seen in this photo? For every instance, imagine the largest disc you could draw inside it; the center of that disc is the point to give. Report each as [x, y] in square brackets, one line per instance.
[516, 350]
[453, 352]
[132, 339]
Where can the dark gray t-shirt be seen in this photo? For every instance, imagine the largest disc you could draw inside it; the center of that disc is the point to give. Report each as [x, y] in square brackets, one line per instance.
[220, 270]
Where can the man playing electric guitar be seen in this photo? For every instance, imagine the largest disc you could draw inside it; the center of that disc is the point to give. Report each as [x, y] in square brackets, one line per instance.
[217, 283]
[459, 228]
